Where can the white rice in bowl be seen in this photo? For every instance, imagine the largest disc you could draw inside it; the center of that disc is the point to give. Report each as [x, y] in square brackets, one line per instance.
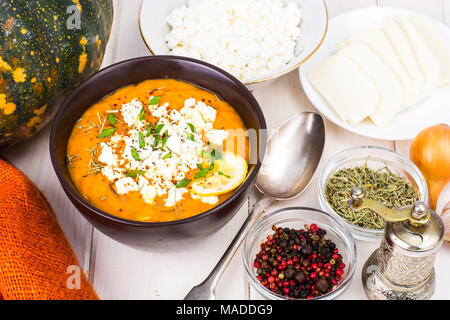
[248, 38]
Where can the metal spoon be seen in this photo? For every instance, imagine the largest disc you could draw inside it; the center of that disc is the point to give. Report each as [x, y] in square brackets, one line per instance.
[293, 154]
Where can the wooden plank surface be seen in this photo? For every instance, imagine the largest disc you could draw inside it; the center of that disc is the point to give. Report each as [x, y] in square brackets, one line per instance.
[168, 272]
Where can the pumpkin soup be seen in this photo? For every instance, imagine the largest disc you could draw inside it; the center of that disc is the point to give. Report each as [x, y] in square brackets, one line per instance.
[158, 151]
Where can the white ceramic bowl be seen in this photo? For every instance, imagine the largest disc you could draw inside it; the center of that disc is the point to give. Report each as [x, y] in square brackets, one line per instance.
[154, 28]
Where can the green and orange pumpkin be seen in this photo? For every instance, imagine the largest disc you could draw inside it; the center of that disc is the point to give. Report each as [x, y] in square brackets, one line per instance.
[46, 48]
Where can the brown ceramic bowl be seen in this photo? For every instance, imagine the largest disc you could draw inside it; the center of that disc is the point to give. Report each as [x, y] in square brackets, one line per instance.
[131, 72]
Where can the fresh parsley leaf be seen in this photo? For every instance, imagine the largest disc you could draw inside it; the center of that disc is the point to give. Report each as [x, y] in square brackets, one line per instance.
[167, 156]
[135, 154]
[149, 130]
[158, 128]
[183, 183]
[141, 140]
[164, 139]
[190, 136]
[156, 142]
[154, 101]
[106, 132]
[201, 173]
[142, 114]
[225, 175]
[191, 126]
[134, 173]
[112, 119]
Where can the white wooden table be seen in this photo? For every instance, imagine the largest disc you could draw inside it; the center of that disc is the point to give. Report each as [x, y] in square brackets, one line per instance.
[159, 272]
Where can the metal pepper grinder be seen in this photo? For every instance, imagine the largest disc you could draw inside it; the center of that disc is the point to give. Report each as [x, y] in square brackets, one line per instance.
[402, 268]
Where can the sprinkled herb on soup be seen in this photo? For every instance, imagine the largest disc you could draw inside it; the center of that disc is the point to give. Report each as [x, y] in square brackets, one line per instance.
[158, 151]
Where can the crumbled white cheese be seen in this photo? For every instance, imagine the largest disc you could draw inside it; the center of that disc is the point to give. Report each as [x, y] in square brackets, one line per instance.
[160, 111]
[175, 195]
[107, 155]
[208, 113]
[148, 191]
[194, 117]
[130, 111]
[189, 103]
[208, 199]
[216, 136]
[112, 173]
[198, 114]
[126, 185]
[155, 170]
[245, 37]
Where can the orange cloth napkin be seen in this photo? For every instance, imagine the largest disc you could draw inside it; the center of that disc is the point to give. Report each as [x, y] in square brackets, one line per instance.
[36, 260]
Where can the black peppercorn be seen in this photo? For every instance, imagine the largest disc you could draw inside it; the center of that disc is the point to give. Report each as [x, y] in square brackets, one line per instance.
[307, 250]
[283, 244]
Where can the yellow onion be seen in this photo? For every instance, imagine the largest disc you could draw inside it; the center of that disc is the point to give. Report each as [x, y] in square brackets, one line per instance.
[430, 151]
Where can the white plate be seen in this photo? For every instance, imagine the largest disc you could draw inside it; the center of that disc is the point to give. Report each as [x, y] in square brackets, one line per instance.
[154, 28]
[407, 124]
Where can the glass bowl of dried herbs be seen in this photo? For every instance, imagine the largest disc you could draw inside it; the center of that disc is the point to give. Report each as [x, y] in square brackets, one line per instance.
[384, 174]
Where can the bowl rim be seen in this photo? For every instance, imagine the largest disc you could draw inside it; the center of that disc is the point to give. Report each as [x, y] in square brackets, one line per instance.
[112, 218]
[266, 78]
[360, 232]
[351, 265]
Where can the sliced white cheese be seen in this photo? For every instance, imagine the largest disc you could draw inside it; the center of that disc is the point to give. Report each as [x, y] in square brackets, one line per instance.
[349, 91]
[379, 43]
[392, 93]
[436, 42]
[400, 43]
[425, 59]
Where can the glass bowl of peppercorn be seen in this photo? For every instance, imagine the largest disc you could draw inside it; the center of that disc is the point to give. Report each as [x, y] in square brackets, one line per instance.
[299, 253]
[385, 175]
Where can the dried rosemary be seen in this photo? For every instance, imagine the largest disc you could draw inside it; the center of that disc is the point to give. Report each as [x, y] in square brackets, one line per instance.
[72, 158]
[381, 185]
